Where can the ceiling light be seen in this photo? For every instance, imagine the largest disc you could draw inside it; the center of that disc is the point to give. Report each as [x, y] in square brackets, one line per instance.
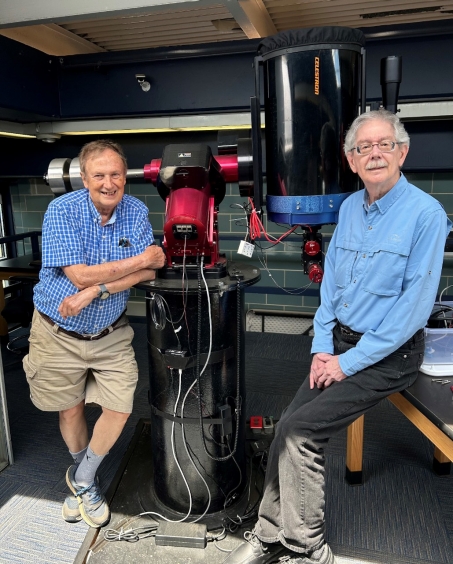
[48, 137]
[21, 135]
[157, 130]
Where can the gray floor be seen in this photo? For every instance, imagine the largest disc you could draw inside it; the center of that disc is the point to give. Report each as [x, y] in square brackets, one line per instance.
[403, 514]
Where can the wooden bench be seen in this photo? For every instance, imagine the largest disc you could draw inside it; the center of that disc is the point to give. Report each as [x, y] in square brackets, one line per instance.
[429, 406]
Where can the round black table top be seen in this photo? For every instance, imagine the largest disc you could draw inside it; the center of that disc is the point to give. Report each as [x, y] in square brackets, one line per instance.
[236, 273]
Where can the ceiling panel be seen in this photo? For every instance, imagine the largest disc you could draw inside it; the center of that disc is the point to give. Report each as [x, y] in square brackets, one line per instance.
[161, 29]
[290, 14]
[220, 20]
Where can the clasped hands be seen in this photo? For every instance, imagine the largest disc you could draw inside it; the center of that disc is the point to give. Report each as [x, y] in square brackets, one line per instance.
[325, 370]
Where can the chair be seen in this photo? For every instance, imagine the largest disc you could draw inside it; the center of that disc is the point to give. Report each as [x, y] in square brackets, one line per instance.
[18, 310]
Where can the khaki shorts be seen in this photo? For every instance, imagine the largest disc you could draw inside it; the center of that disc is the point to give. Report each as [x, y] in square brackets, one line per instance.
[63, 371]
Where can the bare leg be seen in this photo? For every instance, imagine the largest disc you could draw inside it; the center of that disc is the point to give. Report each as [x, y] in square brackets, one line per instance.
[73, 427]
[107, 430]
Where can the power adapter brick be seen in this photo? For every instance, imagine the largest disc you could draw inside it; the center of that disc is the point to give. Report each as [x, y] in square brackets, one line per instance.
[188, 535]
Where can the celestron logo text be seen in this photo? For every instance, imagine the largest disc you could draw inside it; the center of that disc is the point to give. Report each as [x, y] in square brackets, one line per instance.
[317, 76]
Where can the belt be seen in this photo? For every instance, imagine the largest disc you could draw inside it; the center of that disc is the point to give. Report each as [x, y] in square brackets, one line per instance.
[352, 337]
[348, 335]
[80, 336]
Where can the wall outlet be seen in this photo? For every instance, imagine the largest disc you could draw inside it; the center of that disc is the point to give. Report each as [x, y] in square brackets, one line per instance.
[246, 248]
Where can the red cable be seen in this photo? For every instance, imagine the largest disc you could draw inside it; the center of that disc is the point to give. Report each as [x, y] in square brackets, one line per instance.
[257, 228]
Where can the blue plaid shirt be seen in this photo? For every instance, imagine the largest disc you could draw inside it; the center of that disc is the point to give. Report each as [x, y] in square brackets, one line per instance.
[72, 234]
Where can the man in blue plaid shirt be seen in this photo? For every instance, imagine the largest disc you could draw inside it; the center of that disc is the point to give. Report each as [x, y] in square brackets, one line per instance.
[97, 243]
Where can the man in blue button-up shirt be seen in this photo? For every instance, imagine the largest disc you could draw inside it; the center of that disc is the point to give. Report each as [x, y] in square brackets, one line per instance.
[382, 272]
[97, 242]
[384, 262]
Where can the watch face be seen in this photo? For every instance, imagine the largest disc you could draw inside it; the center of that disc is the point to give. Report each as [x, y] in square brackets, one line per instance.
[105, 295]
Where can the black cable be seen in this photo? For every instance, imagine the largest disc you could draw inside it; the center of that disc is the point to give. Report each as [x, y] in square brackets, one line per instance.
[439, 317]
[251, 513]
[157, 311]
[192, 452]
[160, 313]
[441, 309]
[198, 376]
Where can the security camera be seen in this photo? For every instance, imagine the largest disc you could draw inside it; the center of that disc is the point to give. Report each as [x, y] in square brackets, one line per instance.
[141, 79]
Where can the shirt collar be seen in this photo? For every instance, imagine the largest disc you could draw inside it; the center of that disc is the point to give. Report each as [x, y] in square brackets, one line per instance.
[366, 203]
[97, 216]
[387, 201]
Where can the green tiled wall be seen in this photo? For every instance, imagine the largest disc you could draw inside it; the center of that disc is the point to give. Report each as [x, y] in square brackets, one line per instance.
[282, 281]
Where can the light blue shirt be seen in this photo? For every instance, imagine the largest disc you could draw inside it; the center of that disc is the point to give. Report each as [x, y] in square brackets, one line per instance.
[72, 234]
[382, 272]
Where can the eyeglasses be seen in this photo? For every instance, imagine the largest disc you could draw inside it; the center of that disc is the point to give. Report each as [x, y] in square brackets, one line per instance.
[383, 146]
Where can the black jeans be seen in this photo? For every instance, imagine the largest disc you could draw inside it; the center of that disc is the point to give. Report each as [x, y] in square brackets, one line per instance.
[292, 508]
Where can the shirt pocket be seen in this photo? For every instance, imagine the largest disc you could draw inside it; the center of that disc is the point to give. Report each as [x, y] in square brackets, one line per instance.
[126, 252]
[346, 256]
[385, 272]
[119, 253]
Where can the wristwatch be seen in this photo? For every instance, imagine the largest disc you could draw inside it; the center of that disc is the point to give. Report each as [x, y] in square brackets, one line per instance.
[103, 292]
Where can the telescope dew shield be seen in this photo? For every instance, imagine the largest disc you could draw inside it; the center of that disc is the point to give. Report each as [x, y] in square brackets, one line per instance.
[312, 91]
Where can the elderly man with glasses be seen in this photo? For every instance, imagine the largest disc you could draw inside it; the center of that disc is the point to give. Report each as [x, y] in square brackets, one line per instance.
[382, 272]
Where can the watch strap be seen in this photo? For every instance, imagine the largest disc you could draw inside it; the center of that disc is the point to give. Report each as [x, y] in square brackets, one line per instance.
[102, 289]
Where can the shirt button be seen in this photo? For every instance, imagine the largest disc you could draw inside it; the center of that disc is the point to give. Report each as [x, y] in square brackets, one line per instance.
[355, 281]
[104, 236]
[364, 256]
[102, 260]
[345, 305]
[369, 227]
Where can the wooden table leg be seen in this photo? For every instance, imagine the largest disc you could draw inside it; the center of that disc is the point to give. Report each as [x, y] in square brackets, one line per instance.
[439, 439]
[354, 452]
[441, 463]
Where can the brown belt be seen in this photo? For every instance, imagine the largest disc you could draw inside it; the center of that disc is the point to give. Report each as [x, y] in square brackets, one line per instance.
[103, 333]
